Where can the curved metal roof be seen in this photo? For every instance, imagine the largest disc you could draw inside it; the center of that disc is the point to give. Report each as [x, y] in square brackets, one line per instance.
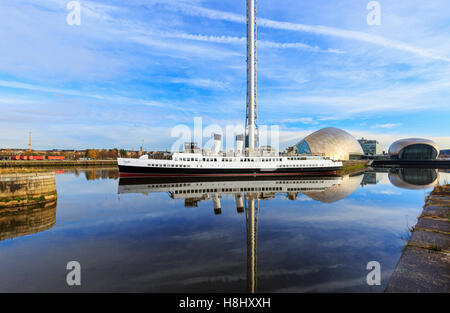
[334, 143]
[399, 145]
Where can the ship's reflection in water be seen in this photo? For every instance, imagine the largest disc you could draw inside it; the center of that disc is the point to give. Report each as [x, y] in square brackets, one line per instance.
[193, 192]
[247, 194]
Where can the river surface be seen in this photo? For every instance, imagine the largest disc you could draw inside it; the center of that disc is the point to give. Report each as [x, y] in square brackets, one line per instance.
[304, 235]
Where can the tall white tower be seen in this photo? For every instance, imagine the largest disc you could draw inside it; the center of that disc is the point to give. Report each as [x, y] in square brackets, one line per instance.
[251, 122]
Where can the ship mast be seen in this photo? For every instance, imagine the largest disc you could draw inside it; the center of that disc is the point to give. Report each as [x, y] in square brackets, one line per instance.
[251, 123]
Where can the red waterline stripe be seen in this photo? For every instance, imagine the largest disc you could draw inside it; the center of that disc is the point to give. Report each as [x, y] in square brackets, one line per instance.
[223, 175]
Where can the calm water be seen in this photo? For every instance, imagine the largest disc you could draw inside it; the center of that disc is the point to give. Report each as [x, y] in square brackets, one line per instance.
[311, 235]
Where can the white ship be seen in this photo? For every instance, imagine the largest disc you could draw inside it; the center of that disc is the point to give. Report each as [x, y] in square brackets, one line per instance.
[222, 164]
[245, 161]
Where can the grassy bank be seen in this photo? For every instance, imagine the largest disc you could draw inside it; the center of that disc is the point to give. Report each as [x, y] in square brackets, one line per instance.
[352, 167]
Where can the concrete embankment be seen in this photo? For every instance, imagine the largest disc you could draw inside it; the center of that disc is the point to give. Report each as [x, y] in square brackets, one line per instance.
[23, 189]
[66, 163]
[27, 203]
[425, 263]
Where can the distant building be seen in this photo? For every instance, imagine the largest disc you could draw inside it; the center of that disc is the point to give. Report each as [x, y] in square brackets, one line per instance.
[414, 149]
[370, 147]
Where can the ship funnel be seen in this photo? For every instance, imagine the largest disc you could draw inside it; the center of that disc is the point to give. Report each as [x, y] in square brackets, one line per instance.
[239, 144]
[217, 144]
[217, 205]
[239, 203]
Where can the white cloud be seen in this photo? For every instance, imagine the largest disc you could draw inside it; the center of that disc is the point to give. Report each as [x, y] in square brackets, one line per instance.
[388, 125]
[201, 82]
[315, 29]
[303, 120]
[76, 93]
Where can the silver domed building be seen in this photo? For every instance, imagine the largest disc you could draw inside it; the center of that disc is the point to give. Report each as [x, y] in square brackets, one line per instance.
[414, 149]
[331, 142]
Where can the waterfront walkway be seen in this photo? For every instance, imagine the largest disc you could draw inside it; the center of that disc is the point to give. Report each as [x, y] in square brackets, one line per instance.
[424, 266]
[47, 163]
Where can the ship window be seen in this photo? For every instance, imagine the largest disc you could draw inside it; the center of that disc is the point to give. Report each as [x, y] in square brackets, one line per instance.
[215, 160]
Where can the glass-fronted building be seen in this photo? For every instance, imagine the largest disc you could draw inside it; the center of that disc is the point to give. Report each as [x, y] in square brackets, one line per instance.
[370, 147]
[414, 149]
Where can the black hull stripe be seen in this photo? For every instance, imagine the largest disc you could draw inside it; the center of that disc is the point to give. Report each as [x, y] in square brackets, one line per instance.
[128, 171]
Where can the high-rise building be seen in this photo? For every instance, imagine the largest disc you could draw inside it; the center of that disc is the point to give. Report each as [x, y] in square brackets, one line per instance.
[370, 147]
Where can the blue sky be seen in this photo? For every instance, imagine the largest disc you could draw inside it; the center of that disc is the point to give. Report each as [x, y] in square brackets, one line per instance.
[135, 69]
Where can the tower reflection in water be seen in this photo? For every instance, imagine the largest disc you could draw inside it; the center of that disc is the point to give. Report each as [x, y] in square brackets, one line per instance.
[247, 195]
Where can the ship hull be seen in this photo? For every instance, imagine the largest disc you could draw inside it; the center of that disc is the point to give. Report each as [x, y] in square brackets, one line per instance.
[139, 171]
